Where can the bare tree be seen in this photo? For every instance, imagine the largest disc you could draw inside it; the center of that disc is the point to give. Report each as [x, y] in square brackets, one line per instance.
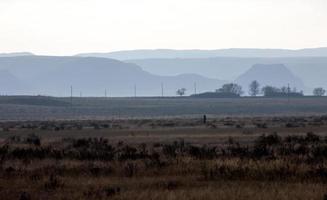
[285, 90]
[254, 88]
[319, 92]
[181, 91]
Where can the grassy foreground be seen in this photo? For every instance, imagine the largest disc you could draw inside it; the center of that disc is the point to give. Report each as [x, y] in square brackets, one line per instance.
[270, 167]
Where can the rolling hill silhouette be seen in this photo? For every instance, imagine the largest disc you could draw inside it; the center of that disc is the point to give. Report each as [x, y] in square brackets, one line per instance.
[273, 75]
[91, 76]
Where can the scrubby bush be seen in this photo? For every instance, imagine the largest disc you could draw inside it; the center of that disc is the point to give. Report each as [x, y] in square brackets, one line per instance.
[33, 139]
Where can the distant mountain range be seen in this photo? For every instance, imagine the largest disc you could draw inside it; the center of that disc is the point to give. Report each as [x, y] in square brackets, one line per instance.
[91, 76]
[168, 53]
[147, 69]
[310, 65]
[16, 54]
[312, 70]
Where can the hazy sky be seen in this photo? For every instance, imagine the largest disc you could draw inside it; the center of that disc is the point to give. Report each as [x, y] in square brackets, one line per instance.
[65, 27]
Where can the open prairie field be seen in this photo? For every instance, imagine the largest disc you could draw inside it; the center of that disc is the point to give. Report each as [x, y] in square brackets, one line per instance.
[229, 158]
[50, 108]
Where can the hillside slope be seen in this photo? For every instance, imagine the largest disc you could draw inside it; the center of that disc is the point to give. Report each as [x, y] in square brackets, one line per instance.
[274, 75]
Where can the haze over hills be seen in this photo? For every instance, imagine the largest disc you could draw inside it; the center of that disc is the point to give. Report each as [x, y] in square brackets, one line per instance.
[309, 65]
[312, 70]
[236, 52]
[273, 74]
[8, 82]
[54, 75]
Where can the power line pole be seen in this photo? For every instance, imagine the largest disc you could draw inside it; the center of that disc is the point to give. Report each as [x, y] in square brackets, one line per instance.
[288, 93]
[71, 96]
[162, 90]
[195, 88]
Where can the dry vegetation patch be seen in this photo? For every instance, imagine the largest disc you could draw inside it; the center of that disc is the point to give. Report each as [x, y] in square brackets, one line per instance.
[37, 165]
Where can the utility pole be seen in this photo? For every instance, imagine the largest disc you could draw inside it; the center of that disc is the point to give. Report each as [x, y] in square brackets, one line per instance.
[288, 93]
[162, 90]
[195, 88]
[71, 96]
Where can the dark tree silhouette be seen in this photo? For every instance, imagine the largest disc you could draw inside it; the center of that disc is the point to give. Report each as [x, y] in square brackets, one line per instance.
[181, 91]
[254, 88]
[271, 91]
[319, 92]
[231, 88]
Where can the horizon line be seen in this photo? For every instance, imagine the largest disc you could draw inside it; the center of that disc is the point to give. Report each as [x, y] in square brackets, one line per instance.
[163, 49]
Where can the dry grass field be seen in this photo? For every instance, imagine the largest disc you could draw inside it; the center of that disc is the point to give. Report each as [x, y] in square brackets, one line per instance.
[229, 158]
[53, 108]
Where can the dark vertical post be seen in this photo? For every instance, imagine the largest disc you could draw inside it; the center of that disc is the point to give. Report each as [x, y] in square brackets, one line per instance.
[162, 90]
[71, 96]
[288, 93]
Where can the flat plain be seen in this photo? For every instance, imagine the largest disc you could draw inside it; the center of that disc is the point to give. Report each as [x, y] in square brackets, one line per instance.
[53, 108]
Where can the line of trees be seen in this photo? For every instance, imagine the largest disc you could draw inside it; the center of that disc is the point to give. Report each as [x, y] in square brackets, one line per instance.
[271, 91]
[235, 90]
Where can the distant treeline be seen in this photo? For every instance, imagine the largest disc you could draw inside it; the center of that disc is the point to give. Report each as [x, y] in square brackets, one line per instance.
[232, 90]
